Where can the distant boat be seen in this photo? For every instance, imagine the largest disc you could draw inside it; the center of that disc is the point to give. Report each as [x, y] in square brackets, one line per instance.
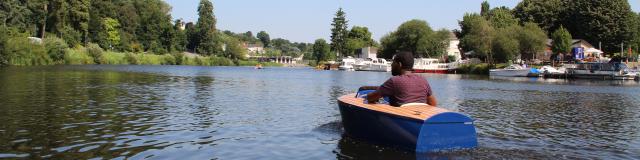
[347, 64]
[600, 70]
[373, 64]
[258, 66]
[416, 127]
[513, 70]
[430, 65]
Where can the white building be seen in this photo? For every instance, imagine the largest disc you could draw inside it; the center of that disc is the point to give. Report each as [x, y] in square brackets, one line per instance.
[368, 52]
[254, 48]
[453, 49]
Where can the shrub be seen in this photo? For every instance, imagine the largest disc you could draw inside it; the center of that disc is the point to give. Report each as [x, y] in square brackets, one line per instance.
[179, 58]
[21, 52]
[168, 59]
[77, 56]
[219, 61]
[131, 58]
[114, 58]
[95, 51]
[56, 48]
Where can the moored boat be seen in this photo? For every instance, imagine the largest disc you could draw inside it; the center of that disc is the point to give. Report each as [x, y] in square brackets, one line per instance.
[430, 65]
[599, 70]
[347, 64]
[373, 64]
[513, 70]
[417, 127]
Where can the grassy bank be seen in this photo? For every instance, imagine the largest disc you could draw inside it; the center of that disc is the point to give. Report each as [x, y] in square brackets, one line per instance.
[33, 55]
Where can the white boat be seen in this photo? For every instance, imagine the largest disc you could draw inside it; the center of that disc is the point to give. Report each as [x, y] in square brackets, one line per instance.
[599, 70]
[373, 64]
[347, 64]
[552, 70]
[513, 70]
[430, 65]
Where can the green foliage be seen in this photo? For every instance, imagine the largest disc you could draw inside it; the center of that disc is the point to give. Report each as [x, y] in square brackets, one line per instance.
[56, 48]
[111, 32]
[501, 18]
[532, 40]
[19, 51]
[234, 49]
[549, 14]
[484, 9]
[95, 52]
[77, 56]
[264, 38]
[561, 41]
[478, 36]
[482, 69]
[358, 37]
[415, 36]
[321, 50]
[505, 45]
[339, 33]
[206, 27]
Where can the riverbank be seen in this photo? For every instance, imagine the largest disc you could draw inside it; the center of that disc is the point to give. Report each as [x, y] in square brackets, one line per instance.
[93, 55]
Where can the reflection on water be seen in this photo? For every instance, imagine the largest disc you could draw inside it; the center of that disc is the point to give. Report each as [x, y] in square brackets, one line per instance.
[169, 112]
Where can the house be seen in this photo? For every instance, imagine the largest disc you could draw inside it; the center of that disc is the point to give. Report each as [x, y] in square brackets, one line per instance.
[575, 43]
[254, 48]
[368, 52]
[453, 49]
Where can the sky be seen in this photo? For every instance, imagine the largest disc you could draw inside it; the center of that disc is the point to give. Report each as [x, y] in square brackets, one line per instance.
[308, 20]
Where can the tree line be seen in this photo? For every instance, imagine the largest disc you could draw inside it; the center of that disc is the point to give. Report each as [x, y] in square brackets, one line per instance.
[136, 26]
[501, 34]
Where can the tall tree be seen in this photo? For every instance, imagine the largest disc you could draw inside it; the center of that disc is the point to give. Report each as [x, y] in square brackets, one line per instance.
[264, 38]
[111, 31]
[479, 38]
[601, 21]
[321, 50]
[506, 46]
[532, 40]
[548, 14]
[206, 26]
[339, 33]
[358, 37]
[415, 36]
[502, 17]
[484, 9]
[561, 41]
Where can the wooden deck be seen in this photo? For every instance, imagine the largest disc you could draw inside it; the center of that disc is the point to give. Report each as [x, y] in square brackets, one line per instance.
[415, 112]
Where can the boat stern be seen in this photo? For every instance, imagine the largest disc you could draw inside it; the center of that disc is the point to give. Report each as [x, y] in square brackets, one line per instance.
[447, 131]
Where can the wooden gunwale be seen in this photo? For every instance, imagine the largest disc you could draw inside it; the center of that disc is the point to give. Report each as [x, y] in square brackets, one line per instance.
[419, 112]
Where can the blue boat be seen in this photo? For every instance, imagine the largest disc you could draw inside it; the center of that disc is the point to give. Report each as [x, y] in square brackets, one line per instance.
[420, 127]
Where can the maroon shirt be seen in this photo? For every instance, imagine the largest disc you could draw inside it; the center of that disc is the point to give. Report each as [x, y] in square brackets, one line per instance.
[403, 89]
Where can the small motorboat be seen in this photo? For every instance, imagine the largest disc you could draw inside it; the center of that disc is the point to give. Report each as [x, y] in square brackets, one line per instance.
[417, 127]
[513, 70]
[258, 66]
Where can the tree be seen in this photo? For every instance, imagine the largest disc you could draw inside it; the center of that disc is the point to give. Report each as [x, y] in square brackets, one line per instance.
[561, 41]
[358, 37]
[180, 36]
[484, 9]
[470, 20]
[505, 45]
[339, 33]
[415, 36]
[264, 38]
[502, 17]
[321, 50]
[479, 38]
[548, 14]
[111, 32]
[532, 40]
[206, 26]
[601, 21]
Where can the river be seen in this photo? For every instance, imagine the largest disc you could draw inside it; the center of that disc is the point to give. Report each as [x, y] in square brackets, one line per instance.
[189, 112]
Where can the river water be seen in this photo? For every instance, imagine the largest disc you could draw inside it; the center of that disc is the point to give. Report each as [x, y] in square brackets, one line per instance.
[188, 112]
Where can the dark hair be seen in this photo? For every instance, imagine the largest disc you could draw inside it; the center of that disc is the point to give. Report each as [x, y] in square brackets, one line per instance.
[405, 58]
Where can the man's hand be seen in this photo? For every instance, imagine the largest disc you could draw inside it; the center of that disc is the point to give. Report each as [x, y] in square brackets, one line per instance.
[373, 97]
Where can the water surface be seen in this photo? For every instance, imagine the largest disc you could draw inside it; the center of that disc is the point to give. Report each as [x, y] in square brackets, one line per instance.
[187, 112]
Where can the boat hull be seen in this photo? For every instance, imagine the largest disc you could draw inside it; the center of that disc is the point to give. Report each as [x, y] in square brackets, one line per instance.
[509, 73]
[443, 71]
[442, 131]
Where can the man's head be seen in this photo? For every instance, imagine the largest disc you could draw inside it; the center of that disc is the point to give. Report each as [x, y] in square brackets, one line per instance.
[402, 61]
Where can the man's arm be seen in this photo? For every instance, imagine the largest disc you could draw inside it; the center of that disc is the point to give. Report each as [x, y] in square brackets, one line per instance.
[373, 97]
[431, 100]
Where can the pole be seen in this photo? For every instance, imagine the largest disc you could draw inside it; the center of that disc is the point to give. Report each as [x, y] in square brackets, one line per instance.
[44, 21]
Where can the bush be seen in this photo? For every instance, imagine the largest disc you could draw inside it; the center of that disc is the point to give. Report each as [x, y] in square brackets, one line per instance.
[95, 51]
[179, 58]
[482, 68]
[21, 52]
[168, 59]
[56, 48]
[77, 56]
[219, 61]
[114, 58]
[131, 58]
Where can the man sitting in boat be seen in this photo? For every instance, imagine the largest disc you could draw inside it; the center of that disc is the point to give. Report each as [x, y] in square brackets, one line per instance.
[404, 87]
